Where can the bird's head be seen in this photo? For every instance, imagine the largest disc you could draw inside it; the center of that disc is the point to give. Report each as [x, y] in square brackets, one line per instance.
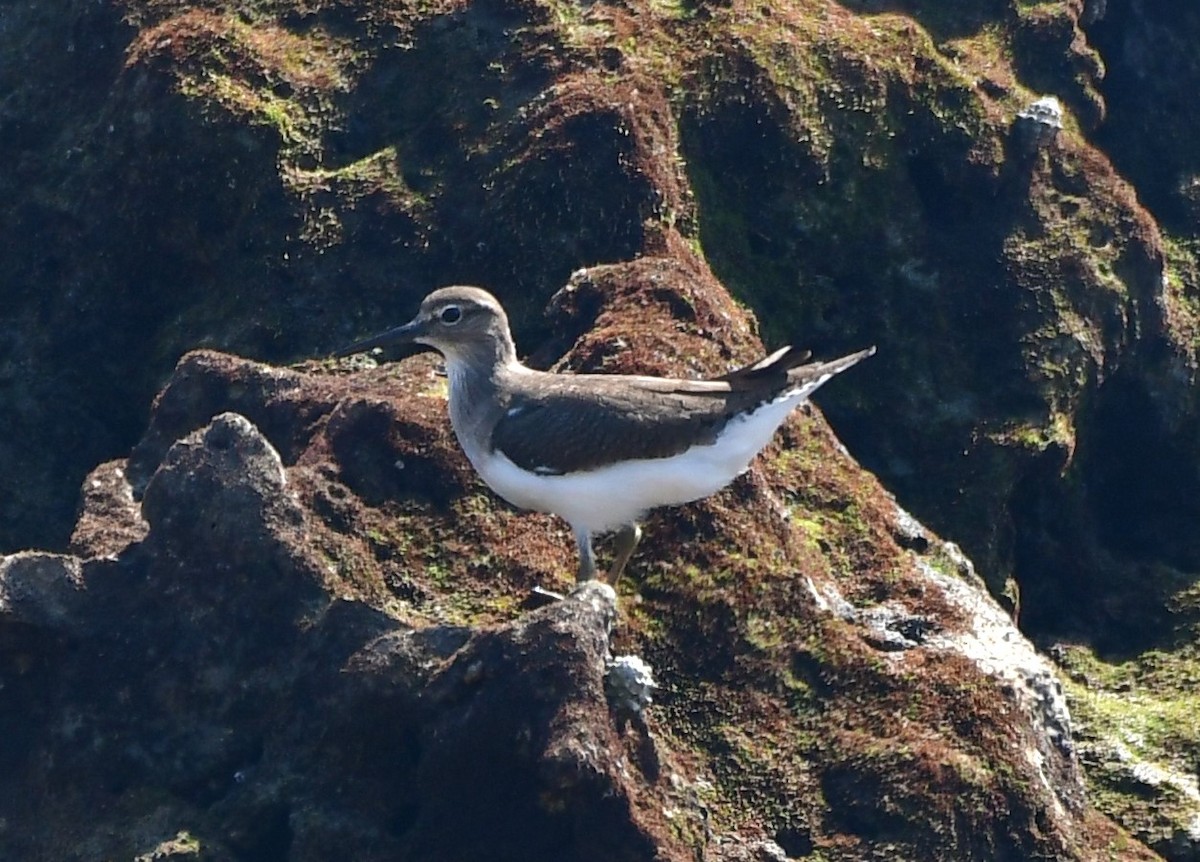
[456, 321]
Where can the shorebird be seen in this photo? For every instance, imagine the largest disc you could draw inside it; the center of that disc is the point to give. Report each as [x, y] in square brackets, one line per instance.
[599, 450]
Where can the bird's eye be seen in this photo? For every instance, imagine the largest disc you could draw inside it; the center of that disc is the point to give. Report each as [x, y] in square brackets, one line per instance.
[451, 315]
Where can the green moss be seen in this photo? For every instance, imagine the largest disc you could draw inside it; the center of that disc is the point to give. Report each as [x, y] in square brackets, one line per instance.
[1182, 284]
[675, 10]
[578, 29]
[1136, 723]
[763, 632]
[1058, 430]
[813, 529]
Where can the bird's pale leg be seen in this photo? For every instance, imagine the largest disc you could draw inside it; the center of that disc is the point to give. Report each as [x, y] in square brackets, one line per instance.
[627, 541]
[587, 557]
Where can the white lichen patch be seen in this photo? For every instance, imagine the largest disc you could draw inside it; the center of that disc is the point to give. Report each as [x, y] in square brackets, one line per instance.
[629, 684]
[993, 642]
[977, 628]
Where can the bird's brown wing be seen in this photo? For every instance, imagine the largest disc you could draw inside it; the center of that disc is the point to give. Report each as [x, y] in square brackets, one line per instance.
[596, 419]
[592, 420]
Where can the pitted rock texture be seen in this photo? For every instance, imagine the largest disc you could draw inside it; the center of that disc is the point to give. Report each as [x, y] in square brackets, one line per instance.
[315, 642]
[207, 682]
[275, 179]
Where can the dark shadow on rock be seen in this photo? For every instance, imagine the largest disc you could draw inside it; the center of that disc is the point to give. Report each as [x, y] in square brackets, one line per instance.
[208, 680]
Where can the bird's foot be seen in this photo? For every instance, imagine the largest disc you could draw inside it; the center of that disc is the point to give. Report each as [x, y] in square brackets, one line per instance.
[548, 594]
[540, 596]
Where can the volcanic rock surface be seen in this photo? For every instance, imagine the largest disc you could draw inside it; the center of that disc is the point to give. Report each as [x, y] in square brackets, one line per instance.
[246, 635]
[292, 628]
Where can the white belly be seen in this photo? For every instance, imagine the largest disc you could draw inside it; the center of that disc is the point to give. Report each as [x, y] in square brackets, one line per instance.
[609, 497]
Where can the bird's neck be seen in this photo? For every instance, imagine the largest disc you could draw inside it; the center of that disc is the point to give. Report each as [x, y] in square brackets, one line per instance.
[475, 373]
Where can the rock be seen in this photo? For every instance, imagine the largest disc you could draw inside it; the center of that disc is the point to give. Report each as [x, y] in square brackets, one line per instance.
[998, 648]
[986, 635]
[629, 684]
[178, 849]
[286, 669]
[110, 518]
[247, 640]
[525, 705]
[216, 665]
[41, 590]
[734, 848]
[1038, 124]
[1168, 814]
[909, 532]
[222, 488]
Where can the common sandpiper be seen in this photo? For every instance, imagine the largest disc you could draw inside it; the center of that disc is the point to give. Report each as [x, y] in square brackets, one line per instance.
[599, 450]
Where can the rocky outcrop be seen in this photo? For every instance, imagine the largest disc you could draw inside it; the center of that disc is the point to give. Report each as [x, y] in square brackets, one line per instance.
[209, 682]
[293, 628]
[274, 180]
